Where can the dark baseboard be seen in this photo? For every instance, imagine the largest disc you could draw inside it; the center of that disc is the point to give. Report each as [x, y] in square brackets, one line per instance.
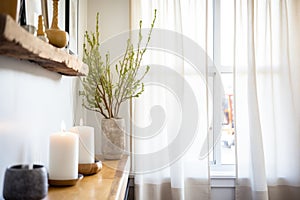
[129, 194]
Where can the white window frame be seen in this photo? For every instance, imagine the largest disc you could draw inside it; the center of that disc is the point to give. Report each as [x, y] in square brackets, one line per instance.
[218, 169]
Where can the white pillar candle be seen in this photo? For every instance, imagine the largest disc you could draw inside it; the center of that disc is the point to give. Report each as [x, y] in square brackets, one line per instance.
[86, 143]
[63, 161]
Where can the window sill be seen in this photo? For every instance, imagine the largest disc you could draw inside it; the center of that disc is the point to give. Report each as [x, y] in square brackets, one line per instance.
[222, 176]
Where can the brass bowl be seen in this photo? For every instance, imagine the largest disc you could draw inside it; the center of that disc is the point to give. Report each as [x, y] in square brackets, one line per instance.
[90, 168]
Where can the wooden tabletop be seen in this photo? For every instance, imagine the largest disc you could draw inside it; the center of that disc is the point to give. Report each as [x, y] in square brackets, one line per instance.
[110, 183]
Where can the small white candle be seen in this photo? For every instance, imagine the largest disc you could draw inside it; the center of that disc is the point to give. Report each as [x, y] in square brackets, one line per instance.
[86, 143]
[63, 161]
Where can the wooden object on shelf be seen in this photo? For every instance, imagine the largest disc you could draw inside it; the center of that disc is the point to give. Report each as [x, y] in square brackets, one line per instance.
[90, 168]
[65, 183]
[110, 183]
[41, 30]
[56, 36]
[18, 43]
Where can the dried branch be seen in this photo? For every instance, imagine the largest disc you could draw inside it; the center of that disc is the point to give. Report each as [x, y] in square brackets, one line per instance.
[100, 93]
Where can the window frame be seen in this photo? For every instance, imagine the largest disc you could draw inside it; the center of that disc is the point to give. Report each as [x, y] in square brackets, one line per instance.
[217, 169]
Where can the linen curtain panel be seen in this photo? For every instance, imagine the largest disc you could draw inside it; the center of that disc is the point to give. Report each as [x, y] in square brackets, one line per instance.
[267, 71]
[163, 114]
[266, 67]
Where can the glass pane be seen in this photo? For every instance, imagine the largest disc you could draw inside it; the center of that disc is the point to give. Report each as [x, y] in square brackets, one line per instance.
[226, 32]
[227, 137]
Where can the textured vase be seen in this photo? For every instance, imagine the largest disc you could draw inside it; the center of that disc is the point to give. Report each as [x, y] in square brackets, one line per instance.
[113, 138]
[20, 182]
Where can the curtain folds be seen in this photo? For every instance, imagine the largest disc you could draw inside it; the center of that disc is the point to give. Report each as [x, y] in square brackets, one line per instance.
[171, 116]
[267, 102]
[266, 66]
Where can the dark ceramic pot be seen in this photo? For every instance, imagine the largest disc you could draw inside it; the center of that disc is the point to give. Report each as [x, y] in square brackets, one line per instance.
[20, 182]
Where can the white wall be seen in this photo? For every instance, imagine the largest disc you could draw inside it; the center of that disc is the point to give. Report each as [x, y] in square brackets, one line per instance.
[33, 102]
[114, 16]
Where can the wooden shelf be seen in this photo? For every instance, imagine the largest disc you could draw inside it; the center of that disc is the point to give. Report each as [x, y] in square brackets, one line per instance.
[18, 43]
[110, 183]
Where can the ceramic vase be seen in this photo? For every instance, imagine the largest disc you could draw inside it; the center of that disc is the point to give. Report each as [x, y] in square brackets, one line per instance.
[113, 138]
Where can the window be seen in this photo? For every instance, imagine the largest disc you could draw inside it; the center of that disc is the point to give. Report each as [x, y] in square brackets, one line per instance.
[223, 154]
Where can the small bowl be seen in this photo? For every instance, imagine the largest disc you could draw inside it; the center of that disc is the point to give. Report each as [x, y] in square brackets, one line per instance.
[90, 168]
[20, 182]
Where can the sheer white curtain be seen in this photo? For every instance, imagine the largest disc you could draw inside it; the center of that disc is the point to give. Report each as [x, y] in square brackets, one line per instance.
[267, 99]
[171, 117]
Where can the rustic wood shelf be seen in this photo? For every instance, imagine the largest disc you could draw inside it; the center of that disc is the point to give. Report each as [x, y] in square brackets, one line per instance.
[110, 183]
[18, 43]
